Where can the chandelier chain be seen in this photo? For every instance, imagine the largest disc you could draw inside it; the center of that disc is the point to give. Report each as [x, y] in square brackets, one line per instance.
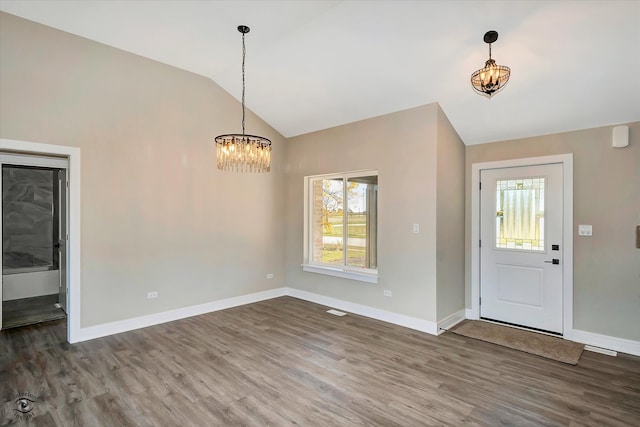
[244, 53]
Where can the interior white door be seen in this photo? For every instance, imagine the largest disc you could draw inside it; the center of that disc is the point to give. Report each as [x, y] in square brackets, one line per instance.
[521, 246]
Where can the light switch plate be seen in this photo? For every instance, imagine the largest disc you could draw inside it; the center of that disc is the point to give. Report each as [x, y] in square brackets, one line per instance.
[585, 230]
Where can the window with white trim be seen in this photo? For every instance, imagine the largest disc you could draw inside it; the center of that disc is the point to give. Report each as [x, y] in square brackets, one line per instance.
[341, 225]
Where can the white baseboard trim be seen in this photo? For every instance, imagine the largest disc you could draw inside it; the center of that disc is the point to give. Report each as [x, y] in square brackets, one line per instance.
[120, 326]
[468, 313]
[620, 345]
[364, 310]
[112, 328]
[606, 351]
[451, 321]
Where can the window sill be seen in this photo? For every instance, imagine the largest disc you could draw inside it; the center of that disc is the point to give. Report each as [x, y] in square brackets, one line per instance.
[340, 272]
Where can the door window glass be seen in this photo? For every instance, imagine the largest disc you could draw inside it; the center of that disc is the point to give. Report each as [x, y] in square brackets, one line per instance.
[520, 214]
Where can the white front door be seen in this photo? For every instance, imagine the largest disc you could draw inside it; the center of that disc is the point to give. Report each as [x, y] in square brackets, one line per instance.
[521, 246]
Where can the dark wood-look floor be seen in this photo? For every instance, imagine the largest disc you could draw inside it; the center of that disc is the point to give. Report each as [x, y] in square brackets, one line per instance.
[28, 311]
[286, 361]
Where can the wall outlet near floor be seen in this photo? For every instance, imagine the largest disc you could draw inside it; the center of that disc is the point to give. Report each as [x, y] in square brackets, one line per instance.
[269, 275]
[152, 295]
[387, 293]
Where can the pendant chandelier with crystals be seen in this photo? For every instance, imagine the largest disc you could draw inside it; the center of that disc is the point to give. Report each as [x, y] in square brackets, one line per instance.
[242, 152]
[492, 78]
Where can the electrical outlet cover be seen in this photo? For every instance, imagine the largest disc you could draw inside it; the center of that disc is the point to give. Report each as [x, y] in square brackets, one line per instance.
[585, 230]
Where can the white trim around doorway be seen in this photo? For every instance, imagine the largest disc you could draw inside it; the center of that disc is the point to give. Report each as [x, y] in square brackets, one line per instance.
[73, 155]
[567, 270]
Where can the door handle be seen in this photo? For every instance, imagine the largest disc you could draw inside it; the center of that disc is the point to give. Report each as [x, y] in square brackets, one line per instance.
[555, 261]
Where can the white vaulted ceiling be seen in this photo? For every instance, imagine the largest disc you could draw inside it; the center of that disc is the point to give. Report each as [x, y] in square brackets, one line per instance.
[312, 65]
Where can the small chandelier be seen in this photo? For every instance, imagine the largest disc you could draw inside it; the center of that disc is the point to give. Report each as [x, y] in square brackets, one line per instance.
[493, 77]
[242, 152]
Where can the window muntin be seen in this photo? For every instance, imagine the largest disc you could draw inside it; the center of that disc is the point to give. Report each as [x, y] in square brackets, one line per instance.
[344, 208]
[520, 214]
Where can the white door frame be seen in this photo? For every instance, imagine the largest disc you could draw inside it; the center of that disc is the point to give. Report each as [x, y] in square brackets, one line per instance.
[567, 238]
[73, 154]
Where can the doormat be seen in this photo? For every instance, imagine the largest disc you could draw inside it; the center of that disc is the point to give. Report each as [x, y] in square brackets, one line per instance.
[530, 342]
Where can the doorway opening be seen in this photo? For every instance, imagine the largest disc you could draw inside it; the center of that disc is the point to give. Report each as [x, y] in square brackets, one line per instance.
[71, 155]
[34, 224]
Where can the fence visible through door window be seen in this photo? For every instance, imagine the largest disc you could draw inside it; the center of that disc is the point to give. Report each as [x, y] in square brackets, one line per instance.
[520, 214]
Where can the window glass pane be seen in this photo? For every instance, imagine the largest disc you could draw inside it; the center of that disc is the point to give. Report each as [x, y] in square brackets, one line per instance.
[27, 218]
[362, 214]
[520, 214]
[327, 221]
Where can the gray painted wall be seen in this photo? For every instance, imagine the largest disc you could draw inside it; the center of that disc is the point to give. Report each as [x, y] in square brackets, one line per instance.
[156, 213]
[450, 219]
[606, 195]
[402, 147]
